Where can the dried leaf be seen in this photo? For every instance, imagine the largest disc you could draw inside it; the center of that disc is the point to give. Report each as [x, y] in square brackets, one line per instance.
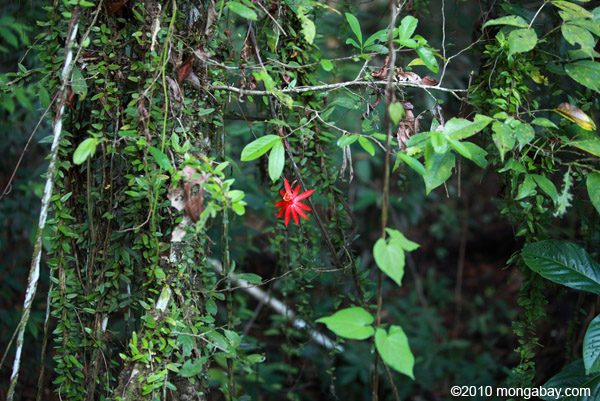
[402, 76]
[429, 81]
[185, 68]
[382, 73]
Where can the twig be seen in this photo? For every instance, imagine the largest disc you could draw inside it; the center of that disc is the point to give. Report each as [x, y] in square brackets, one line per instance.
[329, 87]
[34, 271]
[279, 307]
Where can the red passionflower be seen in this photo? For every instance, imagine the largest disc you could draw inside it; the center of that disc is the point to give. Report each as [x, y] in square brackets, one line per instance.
[291, 203]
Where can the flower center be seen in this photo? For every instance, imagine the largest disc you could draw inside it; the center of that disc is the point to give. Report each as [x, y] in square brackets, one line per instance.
[287, 197]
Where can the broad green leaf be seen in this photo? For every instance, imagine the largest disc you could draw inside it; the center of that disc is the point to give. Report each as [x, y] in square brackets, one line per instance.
[574, 34]
[412, 162]
[191, 368]
[203, 112]
[439, 170]
[84, 150]
[428, 58]
[547, 186]
[308, 26]
[326, 64]
[355, 26]
[573, 8]
[258, 147]
[396, 112]
[395, 350]
[460, 148]
[591, 347]
[407, 28]
[78, 84]
[524, 133]
[381, 36]
[438, 141]
[513, 165]
[512, 20]
[593, 187]
[527, 188]
[573, 376]
[521, 40]
[347, 140]
[588, 141]
[367, 145]
[589, 24]
[351, 323]
[585, 72]
[544, 122]
[242, 10]
[564, 263]
[404, 242]
[249, 277]
[389, 257]
[161, 159]
[276, 161]
[477, 154]
[503, 138]
[458, 128]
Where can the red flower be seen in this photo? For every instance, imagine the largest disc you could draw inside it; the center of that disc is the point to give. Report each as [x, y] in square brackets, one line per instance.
[291, 203]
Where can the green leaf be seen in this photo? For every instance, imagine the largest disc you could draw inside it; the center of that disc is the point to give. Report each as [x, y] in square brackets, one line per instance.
[439, 169]
[588, 141]
[591, 347]
[308, 26]
[577, 35]
[503, 138]
[477, 154]
[276, 161]
[203, 112]
[521, 40]
[458, 128]
[407, 28]
[438, 141]
[544, 122]
[161, 159]
[396, 112]
[394, 350]
[191, 368]
[355, 26]
[389, 257]
[564, 263]
[524, 133]
[573, 377]
[327, 65]
[259, 147]
[460, 148]
[84, 150]
[428, 58]
[547, 186]
[527, 188]
[593, 187]
[347, 140]
[249, 277]
[367, 145]
[573, 8]
[351, 323]
[512, 20]
[401, 240]
[242, 10]
[585, 72]
[78, 84]
[412, 162]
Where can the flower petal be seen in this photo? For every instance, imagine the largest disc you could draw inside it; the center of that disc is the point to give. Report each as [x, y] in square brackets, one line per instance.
[287, 215]
[305, 195]
[288, 189]
[281, 211]
[294, 214]
[296, 192]
[280, 203]
[301, 213]
[282, 193]
[303, 206]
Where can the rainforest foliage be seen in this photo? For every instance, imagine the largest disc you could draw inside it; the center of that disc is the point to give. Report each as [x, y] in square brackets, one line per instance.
[275, 199]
